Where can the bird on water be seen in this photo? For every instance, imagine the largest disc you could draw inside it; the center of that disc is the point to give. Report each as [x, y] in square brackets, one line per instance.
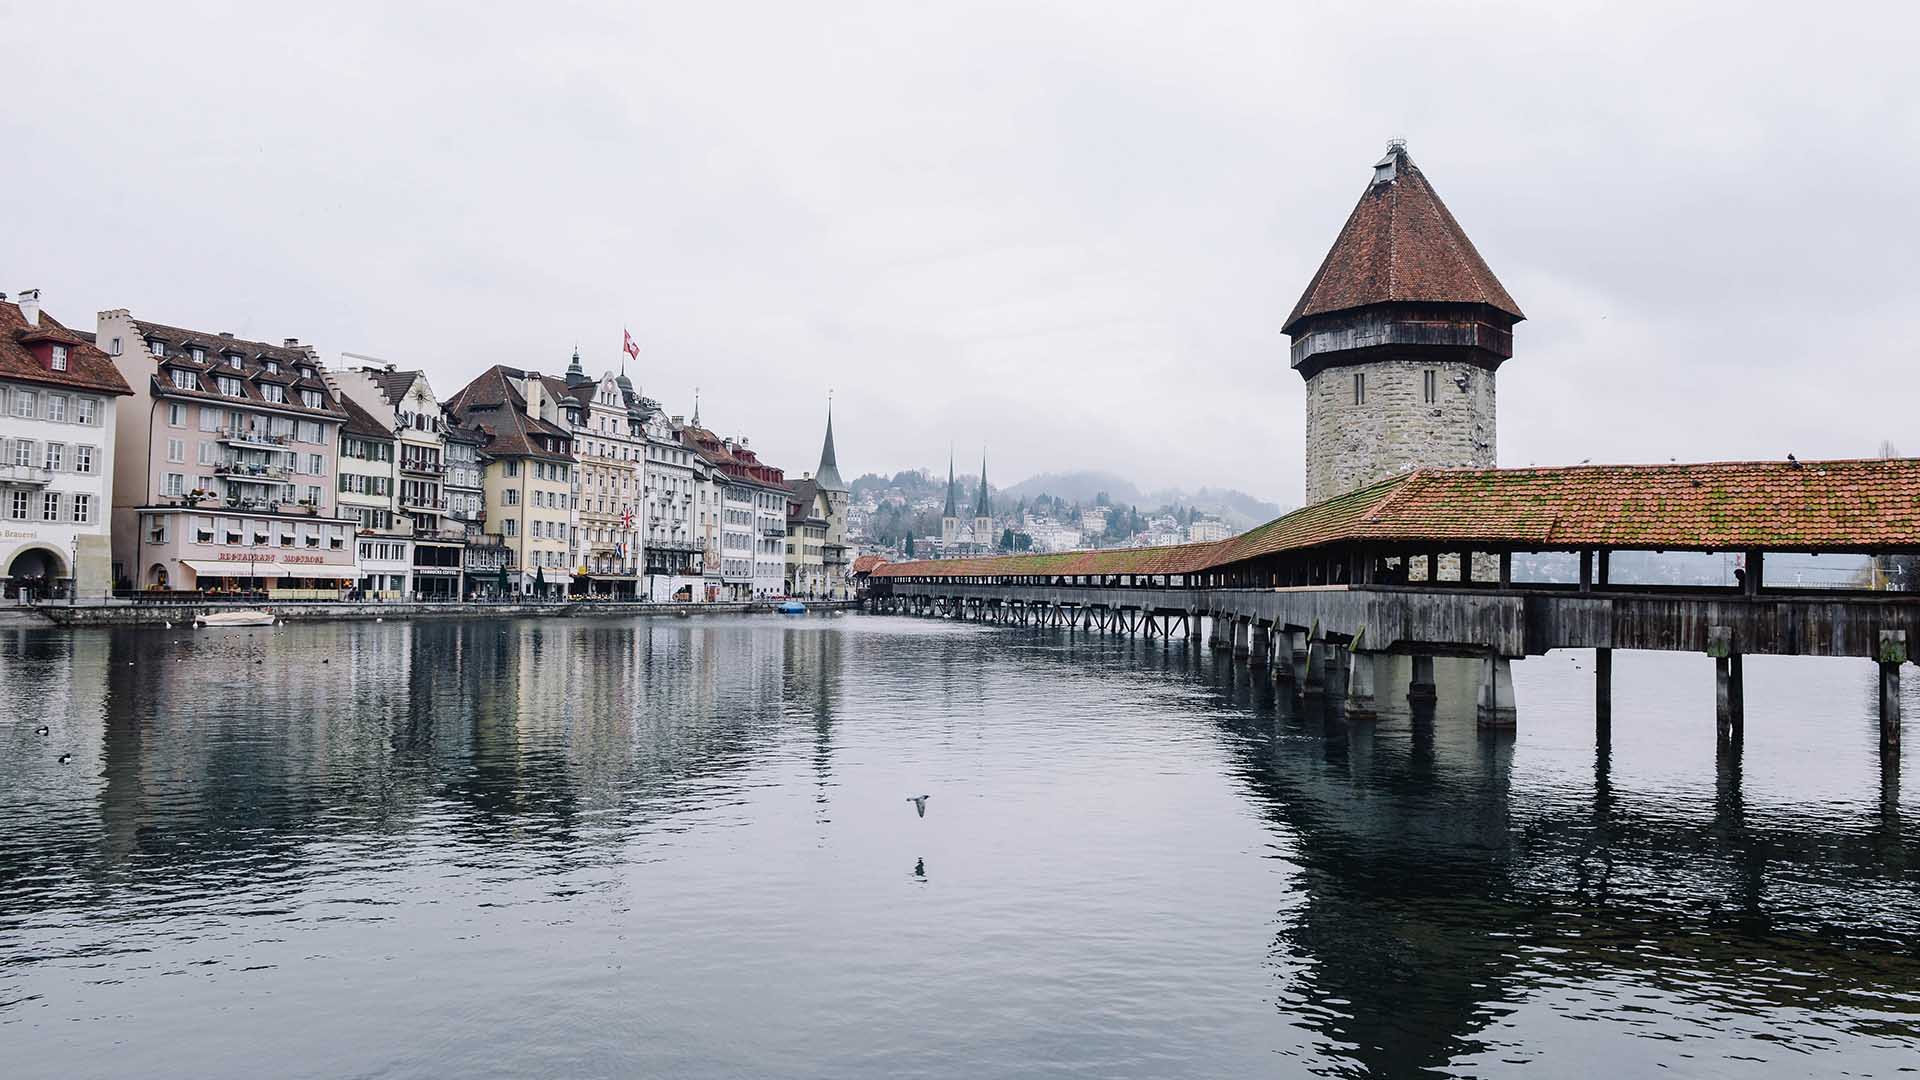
[41, 730]
[919, 803]
[64, 758]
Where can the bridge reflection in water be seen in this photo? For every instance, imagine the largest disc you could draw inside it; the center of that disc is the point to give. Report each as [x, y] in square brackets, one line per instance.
[1434, 903]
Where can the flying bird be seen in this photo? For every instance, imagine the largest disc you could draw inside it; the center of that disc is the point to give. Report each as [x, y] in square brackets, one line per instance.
[919, 803]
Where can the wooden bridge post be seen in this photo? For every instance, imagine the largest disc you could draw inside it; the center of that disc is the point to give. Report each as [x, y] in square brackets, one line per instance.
[1603, 687]
[1727, 690]
[1242, 631]
[1893, 653]
[1260, 648]
[1496, 693]
[1192, 620]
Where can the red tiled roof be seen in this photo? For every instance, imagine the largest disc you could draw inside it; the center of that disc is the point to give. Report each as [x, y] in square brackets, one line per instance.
[867, 564]
[87, 367]
[1401, 244]
[252, 371]
[1867, 504]
[491, 404]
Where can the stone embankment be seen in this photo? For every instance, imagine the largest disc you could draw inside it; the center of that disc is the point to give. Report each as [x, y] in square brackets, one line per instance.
[181, 614]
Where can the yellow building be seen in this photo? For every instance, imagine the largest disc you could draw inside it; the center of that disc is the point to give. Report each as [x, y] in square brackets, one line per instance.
[526, 474]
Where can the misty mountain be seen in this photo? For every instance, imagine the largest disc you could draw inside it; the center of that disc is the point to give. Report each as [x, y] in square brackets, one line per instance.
[1237, 508]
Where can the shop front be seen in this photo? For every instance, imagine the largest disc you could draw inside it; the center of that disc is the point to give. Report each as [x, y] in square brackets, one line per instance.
[240, 554]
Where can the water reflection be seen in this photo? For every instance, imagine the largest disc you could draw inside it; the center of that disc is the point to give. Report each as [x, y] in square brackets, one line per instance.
[1396, 895]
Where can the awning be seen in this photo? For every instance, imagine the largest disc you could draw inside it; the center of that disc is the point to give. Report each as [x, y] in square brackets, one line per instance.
[268, 568]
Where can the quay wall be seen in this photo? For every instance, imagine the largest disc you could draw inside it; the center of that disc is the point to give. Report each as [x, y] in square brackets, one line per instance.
[181, 614]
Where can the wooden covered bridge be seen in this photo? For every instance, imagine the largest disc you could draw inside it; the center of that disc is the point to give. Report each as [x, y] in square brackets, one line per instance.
[1423, 565]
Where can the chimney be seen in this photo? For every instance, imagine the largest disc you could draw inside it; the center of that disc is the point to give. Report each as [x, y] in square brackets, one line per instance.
[30, 306]
[228, 334]
[292, 342]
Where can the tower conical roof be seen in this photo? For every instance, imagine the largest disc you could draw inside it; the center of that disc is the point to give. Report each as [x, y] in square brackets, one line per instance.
[982, 507]
[577, 375]
[953, 492]
[1400, 244]
[828, 475]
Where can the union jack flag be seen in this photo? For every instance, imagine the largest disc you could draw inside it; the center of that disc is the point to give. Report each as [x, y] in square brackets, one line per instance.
[626, 518]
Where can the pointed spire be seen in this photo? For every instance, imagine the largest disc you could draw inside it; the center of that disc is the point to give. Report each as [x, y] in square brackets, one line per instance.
[828, 475]
[696, 406]
[983, 506]
[953, 489]
[576, 375]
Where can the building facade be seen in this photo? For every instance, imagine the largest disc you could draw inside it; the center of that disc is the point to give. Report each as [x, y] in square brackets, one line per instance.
[610, 451]
[225, 475]
[526, 475]
[1398, 336]
[57, 426]
[675, 513]
[759, 493]
[383, 540]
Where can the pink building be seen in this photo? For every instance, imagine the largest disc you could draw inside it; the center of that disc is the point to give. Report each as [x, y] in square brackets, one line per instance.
[228, 453]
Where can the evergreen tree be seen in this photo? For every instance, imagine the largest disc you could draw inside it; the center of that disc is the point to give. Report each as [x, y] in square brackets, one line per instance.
[909, 545]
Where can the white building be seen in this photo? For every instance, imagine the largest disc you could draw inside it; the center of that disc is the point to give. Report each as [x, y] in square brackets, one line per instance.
[1205, 530]
[57, 393]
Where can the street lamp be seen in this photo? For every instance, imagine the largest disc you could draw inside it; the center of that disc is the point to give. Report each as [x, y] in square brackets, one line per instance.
[73, 571]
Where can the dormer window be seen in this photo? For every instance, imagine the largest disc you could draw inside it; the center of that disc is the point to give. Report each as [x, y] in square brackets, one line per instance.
[198, 353]
[230, 386]
[274, 392]
[157, 348]
[305, 371]
[185, 380]
[271, 365]
[59, 361]
[310, 398]
[233, 361]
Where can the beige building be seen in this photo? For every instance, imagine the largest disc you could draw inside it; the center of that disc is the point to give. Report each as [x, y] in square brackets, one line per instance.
[527, 474]
[224, 478]
[610, 453]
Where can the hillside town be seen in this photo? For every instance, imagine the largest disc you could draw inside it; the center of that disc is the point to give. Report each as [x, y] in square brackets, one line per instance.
[147, 458]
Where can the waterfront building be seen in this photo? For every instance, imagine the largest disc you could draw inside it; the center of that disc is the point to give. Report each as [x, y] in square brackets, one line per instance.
[758, 490]
[482, 557]
[407, 401]
[382, 537]
[610, 450]
[224, 479]
[677, 531]
[56, 455]
[1398, 336]
[526, 474]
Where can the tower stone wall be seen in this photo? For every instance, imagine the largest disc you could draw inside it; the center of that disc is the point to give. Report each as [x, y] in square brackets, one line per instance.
[1393, 427]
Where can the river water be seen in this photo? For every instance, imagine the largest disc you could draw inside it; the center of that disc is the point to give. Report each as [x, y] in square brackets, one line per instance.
[685, 847]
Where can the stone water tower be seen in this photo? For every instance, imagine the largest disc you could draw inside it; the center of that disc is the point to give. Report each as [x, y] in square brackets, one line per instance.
[1399, 335]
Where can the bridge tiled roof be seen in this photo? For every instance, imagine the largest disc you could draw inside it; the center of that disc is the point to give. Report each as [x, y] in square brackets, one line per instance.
[1870, 504]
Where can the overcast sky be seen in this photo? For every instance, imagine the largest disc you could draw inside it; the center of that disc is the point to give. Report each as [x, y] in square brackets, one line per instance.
[1067, 231]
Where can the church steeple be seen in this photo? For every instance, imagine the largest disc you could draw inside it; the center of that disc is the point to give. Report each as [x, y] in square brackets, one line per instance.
[950, 517]
[577, 375]
[983, 509]
[828, 476]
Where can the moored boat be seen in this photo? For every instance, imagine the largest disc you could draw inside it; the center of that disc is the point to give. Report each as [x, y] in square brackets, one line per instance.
[791, 607]
[248, 617]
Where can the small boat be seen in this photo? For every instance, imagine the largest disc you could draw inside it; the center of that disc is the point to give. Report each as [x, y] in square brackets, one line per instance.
[235, 618]
[791, 607]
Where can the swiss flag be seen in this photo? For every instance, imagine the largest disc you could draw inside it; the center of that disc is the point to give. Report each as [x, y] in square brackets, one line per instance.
[632, 347]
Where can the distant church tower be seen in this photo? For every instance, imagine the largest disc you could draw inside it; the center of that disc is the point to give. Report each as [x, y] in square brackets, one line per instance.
[1398, 336]
[983, 512]
[950, 518]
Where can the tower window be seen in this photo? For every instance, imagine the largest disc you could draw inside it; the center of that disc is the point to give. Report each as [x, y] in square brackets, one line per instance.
[1359, 388]
[1430, 386]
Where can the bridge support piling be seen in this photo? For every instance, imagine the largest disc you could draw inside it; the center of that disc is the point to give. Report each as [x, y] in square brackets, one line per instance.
[1422, 688]
[1496, 693]
[1893, 653]
[1315, 683]
[1260, 647]
[1361, 703]
[1190, 625]
[1242, 632]
[1299, 646]
[1728, 685]
[1603, 687]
